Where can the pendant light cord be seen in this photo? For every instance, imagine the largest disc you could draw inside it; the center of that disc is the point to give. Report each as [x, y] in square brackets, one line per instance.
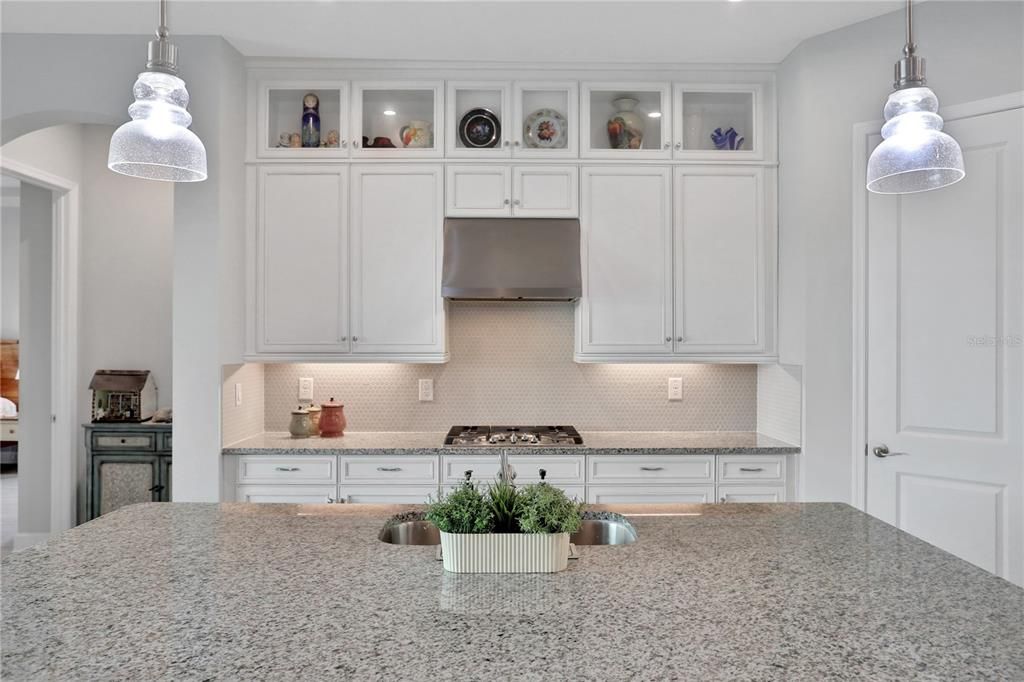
[910, 48]
[162, 31]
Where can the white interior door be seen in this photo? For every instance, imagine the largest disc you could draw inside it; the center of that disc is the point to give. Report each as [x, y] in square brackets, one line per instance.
[944, 354]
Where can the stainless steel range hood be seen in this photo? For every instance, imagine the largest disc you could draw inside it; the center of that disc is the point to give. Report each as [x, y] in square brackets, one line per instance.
[511, 259]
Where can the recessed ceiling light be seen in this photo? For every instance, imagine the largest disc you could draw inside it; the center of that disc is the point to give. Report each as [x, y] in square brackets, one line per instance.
[655, 114]
[389, 112]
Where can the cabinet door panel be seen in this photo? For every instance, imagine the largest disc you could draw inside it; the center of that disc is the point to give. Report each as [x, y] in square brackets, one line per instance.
[302, 277]
[478, 191]
[120, 480]
[397, 223]
[627, 261]
[396, 494]
[545, 191]
[751, 493]
[720, 259]
[674, 494]
[293, 494]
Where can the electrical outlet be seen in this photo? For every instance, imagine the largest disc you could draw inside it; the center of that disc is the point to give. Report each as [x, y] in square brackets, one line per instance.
[306, 388]
[426, 390]
[238, 395]
[675, 388]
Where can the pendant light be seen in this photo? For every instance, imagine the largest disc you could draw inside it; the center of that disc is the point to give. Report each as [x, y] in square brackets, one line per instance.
[157, 144]
[915, 155]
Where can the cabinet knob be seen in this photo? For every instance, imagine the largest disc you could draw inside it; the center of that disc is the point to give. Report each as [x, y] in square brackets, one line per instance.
[516, 202]
[355, 338]
[679, 145]
[665, 146]
[507, 202]
[516, 143]
[355, 143]
[344, 338]
[680, 339]
[507, 143]
[668, 339]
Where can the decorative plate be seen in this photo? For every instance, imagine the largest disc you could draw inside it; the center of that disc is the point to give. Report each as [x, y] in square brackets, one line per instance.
[480, 128]
[546, 129]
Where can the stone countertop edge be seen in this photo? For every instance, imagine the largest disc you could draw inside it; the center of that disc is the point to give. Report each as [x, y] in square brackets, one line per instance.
[652, 443]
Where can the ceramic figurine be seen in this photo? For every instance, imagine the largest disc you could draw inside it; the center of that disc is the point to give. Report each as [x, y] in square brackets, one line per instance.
[310, 120]
[299, 425]
[332, 419]
[730, 139]
[295, 140]
[284, 140]
[625, 127]
[417, 134]
[333, 139]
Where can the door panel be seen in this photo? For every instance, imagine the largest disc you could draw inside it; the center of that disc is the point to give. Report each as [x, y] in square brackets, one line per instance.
[397, 214]
[302, 270]
[944, 291]
[545, 191]
[479, 191]
[719, 241]
[626, 237]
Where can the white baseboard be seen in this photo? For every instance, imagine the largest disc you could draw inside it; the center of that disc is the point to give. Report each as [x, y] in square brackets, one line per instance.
[23, 540]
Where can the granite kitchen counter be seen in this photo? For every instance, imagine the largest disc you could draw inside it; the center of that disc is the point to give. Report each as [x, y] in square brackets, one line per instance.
[767, 592]
[594, 443]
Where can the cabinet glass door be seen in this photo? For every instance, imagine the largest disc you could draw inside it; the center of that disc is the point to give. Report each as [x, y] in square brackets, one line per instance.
[479, 120]
[398, 120]
[626, 121]
[720, 123]
[303, 122]
[546, 120]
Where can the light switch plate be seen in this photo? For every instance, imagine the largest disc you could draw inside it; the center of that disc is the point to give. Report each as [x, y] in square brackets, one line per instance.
[306, 388]
[238, 395]
[426, 390]
[675, 388]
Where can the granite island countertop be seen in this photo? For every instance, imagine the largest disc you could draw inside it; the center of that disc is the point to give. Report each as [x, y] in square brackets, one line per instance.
[594, 443]
[767, 592]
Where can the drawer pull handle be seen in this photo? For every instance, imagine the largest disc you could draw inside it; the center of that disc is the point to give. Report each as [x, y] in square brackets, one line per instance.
[651, 468]
[389, 468]
[286, 468]
[752, 469]
[123, 441]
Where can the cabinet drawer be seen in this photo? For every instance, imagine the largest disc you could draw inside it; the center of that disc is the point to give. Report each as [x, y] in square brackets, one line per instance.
[386, 470]
[559, 468]
[293, 494]
[286, 470]
[114, 441]
[165, 442]
[738, 468]
[9, 431]
[751, 493]
[650, 494]
[664, 469]
[485, 468]
[384, 494]
[576, 492]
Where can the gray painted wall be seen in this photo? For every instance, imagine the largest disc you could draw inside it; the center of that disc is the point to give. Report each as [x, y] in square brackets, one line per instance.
[975, 50]
[10, 240]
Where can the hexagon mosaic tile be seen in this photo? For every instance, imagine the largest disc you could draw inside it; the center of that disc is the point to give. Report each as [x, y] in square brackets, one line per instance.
[512, 363]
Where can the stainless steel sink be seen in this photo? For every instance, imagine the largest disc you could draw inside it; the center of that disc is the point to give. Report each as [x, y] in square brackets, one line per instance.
[604, 532]
[411, 533]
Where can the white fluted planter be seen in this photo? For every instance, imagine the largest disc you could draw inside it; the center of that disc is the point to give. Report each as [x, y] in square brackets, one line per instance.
[505, 552]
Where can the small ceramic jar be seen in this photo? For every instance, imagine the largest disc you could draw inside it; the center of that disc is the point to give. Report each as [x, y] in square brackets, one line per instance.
[332, 419]
[299, 425]
[314, 419]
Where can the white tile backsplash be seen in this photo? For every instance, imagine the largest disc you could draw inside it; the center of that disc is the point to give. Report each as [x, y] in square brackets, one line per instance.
[512, 363]
[238, 422]
[779, 402]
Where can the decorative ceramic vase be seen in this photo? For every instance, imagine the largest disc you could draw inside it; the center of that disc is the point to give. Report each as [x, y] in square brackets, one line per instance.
[310, 120]
[730, 139]
[299, 425]
[625, 127]
[417, 134]
[314, 419]
[332, 419]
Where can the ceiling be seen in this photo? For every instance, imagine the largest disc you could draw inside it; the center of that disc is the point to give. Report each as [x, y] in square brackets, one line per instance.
[751, 31]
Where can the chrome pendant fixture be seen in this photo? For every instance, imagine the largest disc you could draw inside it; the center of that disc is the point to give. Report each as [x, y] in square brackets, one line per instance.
[914, 155]
[157, 144]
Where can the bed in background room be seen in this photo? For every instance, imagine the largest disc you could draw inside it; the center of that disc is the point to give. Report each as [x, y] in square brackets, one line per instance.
[9, 376]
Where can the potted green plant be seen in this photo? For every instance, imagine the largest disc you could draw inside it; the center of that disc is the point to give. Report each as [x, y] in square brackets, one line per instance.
[504, 529]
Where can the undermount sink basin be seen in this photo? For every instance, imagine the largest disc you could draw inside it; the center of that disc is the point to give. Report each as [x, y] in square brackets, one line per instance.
[605, 530]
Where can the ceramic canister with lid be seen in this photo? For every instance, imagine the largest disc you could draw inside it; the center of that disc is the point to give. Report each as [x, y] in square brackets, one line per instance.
[299, 425]
[332, 419]
[314, 419]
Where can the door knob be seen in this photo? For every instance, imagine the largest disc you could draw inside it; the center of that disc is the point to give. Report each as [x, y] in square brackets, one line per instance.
[883, 451]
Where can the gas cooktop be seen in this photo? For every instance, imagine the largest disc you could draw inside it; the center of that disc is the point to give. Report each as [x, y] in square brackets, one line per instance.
[513, 436]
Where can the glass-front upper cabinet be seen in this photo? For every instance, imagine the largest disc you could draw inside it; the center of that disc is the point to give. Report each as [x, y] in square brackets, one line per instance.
[479, 118]
[547, 119]
[397, 119]
[626, 120]
[303, 120]
[718, 122]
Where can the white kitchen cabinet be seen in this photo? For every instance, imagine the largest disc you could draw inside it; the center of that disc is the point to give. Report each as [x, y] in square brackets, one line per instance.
[626, 250]
[397, 225]
[485, 468]
[287, 469]
[643, 114]
[722, 251]
[751, 493]
[632, 469]
[501, 191]
[301, 245]
[558, 468]
[752, 468]
[408, 113]
[650, 494]
[462, 97]
[292, 494]
[370, 494]
[387, 470]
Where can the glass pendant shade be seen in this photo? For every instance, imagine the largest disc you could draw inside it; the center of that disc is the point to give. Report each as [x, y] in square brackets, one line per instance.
[157, 144]
[914, 155]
